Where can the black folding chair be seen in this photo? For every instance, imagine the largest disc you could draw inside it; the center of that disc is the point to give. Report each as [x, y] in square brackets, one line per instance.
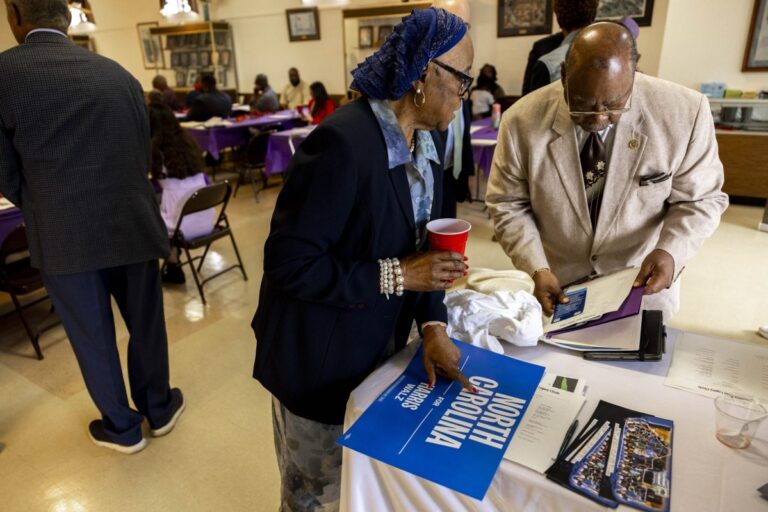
[254, 159]
[213, 196]
[19, 277]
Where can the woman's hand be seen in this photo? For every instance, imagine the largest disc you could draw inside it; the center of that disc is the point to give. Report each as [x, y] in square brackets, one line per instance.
[441, 357]
[432, 271]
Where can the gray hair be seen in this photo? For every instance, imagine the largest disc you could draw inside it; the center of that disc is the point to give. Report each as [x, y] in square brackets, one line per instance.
[44, 13]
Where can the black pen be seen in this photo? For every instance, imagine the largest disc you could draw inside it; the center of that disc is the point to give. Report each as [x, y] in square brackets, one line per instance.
[568, 437]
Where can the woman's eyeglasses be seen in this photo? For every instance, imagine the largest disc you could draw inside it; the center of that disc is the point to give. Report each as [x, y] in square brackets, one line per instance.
[464, 79]
[609, 113]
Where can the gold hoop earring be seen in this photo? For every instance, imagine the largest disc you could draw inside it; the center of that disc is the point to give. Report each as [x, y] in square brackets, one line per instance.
[419, 103]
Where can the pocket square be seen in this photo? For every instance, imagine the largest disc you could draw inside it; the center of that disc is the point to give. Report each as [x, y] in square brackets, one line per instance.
[654, 178]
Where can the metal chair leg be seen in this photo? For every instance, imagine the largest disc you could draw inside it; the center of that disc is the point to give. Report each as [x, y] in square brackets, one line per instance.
[33, 337]
[194, 275]
[202, 259]
[237, 253]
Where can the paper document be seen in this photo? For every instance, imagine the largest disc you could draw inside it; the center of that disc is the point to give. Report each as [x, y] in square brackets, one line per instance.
[5, 204]
[713, 367]
[620, 335]
[592, 299]
[541, 432]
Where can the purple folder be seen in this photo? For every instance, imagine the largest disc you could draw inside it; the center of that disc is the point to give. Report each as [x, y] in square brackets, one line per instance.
[630, 307]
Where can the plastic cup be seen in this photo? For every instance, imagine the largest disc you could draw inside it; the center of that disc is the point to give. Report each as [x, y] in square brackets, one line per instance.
[448, 235]
[737, 420]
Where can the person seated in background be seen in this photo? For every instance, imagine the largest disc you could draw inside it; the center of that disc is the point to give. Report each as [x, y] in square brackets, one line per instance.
[177, 168]
[155, 97]
[295, 94]
[194, 93]
[320, 105]
[489, 72]
[482, 98]
[169, 99]
[211, 103]
[572, 15]
[264, 98]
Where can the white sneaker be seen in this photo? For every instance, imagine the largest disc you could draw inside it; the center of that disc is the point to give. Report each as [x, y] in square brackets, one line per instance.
[177, 399]
[763, 331]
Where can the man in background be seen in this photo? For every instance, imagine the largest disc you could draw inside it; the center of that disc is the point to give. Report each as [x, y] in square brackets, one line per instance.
[211, 102]
[544, 60]
[169, 99]
[74, 156]
[604, 170]
[264, 98]
[458, 161]
[296, 93]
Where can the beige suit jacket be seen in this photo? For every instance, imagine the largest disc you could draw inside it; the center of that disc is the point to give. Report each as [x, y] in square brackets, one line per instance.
[536, 191]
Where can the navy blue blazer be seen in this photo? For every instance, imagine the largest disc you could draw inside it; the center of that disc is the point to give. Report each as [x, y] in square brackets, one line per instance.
[321, 325]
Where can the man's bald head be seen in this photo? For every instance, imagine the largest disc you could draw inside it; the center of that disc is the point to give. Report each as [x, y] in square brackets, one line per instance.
[602, 45]
[459, 8]
[598, 74]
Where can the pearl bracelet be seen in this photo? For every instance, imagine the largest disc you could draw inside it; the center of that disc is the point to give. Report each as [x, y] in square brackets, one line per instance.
[391, 279]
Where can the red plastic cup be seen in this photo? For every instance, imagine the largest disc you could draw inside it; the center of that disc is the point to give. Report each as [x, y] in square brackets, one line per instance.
[448, 234]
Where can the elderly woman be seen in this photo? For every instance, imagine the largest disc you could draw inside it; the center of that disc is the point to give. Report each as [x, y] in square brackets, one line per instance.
[346, 266]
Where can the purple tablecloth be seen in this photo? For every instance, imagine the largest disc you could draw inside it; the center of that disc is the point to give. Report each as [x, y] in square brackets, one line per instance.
[279, 151]
[9, 219]
[483, 154]
[213, 140]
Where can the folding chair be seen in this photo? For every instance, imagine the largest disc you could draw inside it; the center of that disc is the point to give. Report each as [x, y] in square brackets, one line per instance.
[18, 277]
[255, 157]
[213, 196]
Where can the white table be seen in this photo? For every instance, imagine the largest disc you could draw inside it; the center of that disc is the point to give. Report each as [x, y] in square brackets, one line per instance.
[706, 475]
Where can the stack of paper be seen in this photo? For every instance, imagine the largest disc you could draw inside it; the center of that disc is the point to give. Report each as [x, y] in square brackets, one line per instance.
[603, 314]
[547, 421]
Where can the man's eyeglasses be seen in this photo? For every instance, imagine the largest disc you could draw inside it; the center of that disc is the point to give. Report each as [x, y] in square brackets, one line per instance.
[464, 79]
[609, 113]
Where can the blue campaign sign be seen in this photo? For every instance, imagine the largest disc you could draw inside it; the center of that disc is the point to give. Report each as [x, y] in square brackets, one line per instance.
[446, 434]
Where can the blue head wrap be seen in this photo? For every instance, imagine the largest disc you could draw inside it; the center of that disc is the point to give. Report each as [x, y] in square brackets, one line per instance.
[423, 35]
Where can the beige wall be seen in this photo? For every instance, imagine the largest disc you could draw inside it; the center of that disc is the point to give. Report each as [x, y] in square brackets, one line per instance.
[685, 44]
[705, 41]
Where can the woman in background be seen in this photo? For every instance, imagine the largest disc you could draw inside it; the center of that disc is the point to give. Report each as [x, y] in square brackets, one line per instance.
[177, 167]
[482, 98]
[320, 106]
[489, 72]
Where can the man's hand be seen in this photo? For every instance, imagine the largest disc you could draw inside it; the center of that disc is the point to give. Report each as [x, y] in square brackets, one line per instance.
[656, 272]
[432, 271]
[441, 357]
[548, 292]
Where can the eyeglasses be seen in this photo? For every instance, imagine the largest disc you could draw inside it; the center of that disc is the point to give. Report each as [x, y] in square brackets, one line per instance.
[609, 113]
[464, 79]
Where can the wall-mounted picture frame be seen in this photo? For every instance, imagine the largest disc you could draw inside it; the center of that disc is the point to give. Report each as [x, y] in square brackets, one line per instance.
[181, 79]
[303, 24]
[756, 54]
[524, 17]
[365, 37]
[225, 58]
[151, 46]
[639, 10]
[184, 60]
[204, 58]
[383, 34]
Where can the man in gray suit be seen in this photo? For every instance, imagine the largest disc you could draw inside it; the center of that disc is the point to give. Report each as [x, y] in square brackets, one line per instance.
[607, 169]
[74, 156]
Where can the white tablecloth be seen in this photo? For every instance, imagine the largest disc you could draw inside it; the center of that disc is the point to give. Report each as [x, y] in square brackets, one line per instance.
[706, 475]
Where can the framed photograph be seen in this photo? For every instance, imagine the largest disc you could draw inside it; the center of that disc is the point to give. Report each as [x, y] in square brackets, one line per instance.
[184, 60]
[191, 77]
[181, 79]
[640, 10]
[756, 54]
[204, 59]
[303, 24]
[365, 37]
[524, 17]
[193, 60]
[383, 34]
[225, 58]
[151, 46]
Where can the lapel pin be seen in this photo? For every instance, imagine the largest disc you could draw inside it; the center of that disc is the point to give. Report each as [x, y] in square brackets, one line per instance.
[634, 144]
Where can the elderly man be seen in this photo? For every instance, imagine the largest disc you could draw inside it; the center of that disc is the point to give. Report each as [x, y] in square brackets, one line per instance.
[604, 170]
[76, 164]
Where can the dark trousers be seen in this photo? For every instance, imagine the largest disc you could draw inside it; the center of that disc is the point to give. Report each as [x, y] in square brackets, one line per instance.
[449, 195]
[83, 303]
